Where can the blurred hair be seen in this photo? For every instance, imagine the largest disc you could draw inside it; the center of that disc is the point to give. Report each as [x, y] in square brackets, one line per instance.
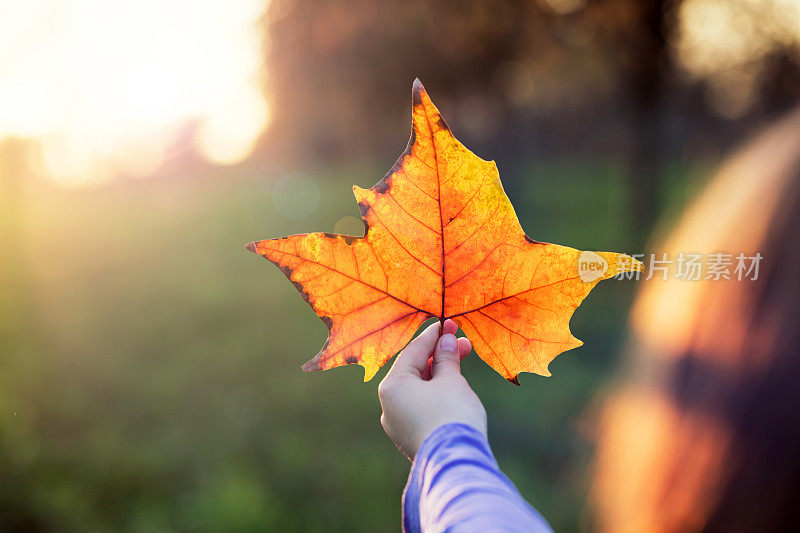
[704, 432]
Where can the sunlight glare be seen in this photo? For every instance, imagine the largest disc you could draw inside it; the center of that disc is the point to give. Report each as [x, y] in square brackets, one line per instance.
[725, 43]
[107, 86]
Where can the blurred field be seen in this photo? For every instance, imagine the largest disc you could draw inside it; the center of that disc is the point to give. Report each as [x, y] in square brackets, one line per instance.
[154, 384]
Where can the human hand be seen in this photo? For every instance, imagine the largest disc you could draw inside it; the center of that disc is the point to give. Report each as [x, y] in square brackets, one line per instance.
[422, 391]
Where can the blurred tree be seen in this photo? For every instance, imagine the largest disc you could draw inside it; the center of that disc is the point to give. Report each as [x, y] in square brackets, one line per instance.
[342, 71]
[521, 80]
[15, 329]
[12, 184]
[646, 69]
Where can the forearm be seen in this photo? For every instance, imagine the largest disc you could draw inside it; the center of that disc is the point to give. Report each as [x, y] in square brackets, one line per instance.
[456, 485]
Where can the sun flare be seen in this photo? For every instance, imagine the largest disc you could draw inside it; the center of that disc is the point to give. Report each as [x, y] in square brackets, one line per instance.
[108, 86]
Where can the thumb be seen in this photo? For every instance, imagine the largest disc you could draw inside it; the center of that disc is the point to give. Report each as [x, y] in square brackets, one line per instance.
[414, 357]
[446, 359]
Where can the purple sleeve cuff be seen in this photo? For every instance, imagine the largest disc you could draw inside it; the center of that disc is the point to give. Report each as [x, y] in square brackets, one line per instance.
[456, 485]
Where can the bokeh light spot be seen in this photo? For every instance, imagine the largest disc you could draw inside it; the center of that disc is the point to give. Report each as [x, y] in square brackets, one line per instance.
[563, 7]
[349, 226]
[267, 176]
[296, 195]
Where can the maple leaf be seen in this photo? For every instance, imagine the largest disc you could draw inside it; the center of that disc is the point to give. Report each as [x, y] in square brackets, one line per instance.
[441, 239]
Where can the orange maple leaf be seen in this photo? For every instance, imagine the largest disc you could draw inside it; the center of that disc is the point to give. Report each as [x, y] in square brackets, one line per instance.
[441, 239]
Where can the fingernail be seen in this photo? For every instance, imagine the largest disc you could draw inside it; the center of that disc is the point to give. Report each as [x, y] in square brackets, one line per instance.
[448, 343]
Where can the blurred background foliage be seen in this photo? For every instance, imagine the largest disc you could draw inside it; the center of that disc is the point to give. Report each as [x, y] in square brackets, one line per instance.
[149, 365]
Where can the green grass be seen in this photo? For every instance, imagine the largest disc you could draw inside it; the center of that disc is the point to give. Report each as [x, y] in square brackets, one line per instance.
[155, 382]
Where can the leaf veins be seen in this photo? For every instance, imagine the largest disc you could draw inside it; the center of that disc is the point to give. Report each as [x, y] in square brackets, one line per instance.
[441, 240]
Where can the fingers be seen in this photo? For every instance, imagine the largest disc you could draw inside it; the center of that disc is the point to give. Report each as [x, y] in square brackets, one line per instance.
[418, 357]
[446, 356]
[464, 347]
[414, 357]
[450, 327]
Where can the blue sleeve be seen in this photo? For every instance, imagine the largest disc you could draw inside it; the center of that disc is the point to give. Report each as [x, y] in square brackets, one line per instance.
[456, 485]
